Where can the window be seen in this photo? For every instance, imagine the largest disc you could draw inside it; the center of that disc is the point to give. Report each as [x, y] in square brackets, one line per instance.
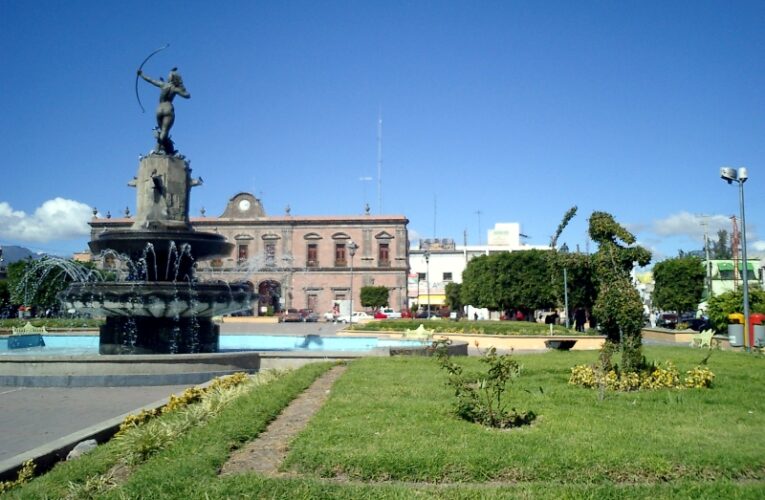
[270, 249]
[242, 253]
[340, 260]
[447, 276]
[312, 255]
[312, 301]
[383, 256]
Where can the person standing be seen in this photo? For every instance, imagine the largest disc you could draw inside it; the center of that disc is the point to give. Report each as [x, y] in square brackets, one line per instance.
[579, 318]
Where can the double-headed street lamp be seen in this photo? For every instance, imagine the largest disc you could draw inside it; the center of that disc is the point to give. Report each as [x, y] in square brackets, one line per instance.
[352, 251]
[740, 176]
[427, 276]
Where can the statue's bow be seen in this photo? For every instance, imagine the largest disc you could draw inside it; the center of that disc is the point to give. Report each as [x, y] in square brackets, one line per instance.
[139, 71]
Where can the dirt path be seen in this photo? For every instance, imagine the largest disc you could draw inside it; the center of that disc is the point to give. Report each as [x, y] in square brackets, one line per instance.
[266, 453]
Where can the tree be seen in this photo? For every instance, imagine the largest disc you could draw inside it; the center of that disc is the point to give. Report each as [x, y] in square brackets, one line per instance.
[679, 283]
[5, 294]
[523, 280]
[374, 296]
[570, 213]
[453, 299]
[579, 278]
[618, 308]
[509, 280]
[478, 283]
[721, 305]
[721, 249]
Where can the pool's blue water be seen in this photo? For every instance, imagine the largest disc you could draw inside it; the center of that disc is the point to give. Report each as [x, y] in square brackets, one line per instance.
[88, 344]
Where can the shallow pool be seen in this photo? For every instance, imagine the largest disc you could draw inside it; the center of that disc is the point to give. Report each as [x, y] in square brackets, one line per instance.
[60, 345]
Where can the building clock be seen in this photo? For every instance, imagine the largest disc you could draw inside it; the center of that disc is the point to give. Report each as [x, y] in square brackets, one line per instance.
[244, 205]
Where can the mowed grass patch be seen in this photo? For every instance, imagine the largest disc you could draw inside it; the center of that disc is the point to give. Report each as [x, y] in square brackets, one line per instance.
[391, 419]
[483, 327]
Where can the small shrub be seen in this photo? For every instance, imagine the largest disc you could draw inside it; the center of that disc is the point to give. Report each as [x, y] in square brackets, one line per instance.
[657, 377]
[25, 474]
[187, 397]
[699, 378]
[483, 398]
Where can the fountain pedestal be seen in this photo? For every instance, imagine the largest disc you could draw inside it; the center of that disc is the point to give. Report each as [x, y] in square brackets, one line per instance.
[161, 308]
[125, 335]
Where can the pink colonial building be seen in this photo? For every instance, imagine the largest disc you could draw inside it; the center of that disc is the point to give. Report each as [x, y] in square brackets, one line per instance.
[302, 261]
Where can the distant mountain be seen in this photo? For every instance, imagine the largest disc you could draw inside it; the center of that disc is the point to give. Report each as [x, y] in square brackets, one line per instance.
[13, 253]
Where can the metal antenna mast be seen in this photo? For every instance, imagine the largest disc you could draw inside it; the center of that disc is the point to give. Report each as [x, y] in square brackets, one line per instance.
[379, 162]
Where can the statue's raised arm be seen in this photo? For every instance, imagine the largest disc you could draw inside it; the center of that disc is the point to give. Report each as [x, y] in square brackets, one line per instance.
[165, 110]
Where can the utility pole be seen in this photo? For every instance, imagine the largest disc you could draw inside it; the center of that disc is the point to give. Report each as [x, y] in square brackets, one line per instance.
[703, 222]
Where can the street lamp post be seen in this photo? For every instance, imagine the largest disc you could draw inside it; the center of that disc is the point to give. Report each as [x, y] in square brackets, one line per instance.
[427, 276]
[352, 251]
[564, 249]
[740, 176]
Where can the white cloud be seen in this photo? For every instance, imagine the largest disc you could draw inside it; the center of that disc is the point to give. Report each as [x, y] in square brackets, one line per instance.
[57, 219]
[758, 246]
[692, 225]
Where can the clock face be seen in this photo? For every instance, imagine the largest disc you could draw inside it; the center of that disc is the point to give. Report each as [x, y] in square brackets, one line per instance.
[244, 205]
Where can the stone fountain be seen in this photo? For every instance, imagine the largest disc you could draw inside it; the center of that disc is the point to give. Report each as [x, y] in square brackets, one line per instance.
[160, 308]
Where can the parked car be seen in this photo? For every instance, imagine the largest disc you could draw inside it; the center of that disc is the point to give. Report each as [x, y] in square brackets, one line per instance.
[309, 316]
[330, 316]
[387, 313]
[291, 315]
[694, 323]
[358, 317]
[667, 320]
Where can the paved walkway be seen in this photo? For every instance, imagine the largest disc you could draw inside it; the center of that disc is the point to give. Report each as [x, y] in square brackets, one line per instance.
[34, 416]
[266, 453]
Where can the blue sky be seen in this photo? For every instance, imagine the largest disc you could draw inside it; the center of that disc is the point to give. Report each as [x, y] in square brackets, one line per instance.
[518, 110]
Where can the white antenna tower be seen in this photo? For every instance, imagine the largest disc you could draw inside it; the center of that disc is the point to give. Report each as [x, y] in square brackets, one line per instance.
[379, 161]
[478, 213]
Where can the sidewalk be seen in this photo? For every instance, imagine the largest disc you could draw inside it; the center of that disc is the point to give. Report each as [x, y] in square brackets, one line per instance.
[35, 417]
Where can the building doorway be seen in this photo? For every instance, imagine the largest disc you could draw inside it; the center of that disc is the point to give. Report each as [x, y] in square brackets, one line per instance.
[269, 298]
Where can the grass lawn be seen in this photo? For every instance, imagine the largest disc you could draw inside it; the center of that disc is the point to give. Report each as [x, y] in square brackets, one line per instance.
[467, 327]
[73, 323]
[387, 431]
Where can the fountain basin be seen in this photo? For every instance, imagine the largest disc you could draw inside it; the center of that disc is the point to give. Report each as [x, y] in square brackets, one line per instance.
[172, 253]
[122, 370]
[157, 299]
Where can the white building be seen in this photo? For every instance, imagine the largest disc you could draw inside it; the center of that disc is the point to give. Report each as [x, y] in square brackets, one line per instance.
[434, 263]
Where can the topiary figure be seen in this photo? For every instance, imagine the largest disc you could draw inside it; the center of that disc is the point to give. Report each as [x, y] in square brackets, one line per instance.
[618, 308]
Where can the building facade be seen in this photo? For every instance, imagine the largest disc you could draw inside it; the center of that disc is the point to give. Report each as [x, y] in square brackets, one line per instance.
[722, 276]
[301, 262]
[437, 262]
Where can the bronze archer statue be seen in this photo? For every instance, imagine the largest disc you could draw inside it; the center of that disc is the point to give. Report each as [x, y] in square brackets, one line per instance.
[165, 110]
